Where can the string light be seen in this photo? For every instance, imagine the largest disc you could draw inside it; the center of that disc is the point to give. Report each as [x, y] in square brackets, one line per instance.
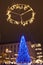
[25, 8]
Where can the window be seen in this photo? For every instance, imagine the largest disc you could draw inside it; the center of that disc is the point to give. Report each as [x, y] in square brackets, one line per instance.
[14, 49]
[1, 49]
[11, 46]
[14, 46]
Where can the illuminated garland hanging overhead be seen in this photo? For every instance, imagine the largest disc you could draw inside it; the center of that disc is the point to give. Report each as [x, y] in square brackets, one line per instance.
[16, 13]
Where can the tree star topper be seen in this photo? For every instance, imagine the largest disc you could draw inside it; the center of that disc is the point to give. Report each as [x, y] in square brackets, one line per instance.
[17, 12]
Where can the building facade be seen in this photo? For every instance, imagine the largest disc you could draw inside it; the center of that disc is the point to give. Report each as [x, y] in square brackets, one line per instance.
[10, 51]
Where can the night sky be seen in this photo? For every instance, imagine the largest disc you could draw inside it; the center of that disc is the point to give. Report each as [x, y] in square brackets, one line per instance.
[12, 33]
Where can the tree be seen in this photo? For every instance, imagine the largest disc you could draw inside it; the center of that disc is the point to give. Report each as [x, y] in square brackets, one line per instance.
[23, 53]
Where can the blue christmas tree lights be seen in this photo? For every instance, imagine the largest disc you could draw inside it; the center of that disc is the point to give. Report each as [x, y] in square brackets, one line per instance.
[23, 53]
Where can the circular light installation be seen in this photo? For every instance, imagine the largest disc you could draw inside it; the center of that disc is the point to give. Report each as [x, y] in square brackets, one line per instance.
[19, 11]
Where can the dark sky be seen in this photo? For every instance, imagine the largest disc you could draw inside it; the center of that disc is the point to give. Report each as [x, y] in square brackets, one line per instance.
[12, 33]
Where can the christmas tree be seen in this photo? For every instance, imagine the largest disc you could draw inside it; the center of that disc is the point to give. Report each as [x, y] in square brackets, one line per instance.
[23, 53]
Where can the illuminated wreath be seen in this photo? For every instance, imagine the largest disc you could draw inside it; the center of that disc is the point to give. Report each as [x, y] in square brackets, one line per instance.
[19, 14]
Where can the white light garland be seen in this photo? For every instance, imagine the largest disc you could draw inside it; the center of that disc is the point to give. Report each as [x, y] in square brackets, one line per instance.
[25, 8]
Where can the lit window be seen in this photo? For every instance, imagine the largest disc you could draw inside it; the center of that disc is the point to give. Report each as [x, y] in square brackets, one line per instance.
[40, 56]
[33, 45]
[39, 53]
[38, 45]
[38, 49]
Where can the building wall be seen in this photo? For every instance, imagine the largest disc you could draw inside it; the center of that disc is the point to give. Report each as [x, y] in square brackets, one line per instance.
[13, 47]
